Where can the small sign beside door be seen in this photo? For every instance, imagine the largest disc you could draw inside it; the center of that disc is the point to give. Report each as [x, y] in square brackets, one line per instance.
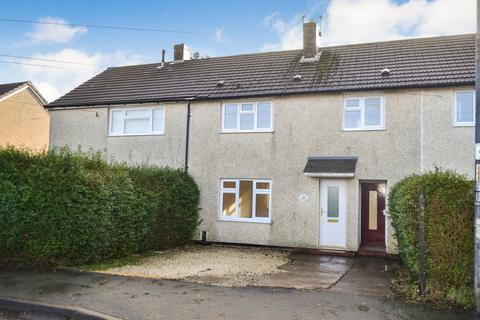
[303, 198]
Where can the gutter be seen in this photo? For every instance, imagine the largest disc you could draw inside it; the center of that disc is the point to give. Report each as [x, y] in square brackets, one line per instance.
[88, 105]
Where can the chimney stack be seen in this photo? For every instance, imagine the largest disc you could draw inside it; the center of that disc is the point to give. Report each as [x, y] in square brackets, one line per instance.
[310, 31]
[181, 53]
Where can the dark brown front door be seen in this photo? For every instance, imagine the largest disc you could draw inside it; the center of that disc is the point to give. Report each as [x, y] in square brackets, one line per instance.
[373, 213]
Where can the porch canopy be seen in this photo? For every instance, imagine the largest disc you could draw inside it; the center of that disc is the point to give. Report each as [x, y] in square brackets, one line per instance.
[331, 167]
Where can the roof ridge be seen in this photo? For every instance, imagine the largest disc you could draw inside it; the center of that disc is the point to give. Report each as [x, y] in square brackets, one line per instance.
[413, 39]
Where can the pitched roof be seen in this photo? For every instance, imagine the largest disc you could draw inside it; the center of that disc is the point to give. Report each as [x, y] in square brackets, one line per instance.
[9, 88]
[6, 88]
[421, 62]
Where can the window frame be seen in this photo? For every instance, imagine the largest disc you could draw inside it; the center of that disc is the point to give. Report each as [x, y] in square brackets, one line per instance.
[125, 118]
[255, 191]
[240, 112]
[361, 108]
[454, 115]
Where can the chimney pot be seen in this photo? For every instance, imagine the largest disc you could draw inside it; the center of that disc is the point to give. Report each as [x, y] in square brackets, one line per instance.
[181, 52]
[310, 29]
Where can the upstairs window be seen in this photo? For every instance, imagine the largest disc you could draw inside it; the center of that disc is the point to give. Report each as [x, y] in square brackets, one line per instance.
[464, 108]
[363, 113]
[245, 200]
[137, 121]
[247, 117]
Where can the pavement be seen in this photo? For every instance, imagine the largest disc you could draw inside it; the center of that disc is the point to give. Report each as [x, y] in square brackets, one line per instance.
[361, 292]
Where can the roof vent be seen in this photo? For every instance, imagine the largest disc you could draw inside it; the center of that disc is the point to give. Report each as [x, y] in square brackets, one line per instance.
[220, 83]
[385, 72]
[297, 77]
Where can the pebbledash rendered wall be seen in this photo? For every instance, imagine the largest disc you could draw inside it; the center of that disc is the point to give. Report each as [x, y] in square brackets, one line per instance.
[303, 125]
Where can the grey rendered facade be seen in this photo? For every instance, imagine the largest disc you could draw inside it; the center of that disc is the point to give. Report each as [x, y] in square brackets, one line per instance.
[418, 135]
[280, 156]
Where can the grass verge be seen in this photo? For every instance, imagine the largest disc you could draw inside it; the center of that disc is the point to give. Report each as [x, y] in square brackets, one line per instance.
[405, 287]
[130, 260]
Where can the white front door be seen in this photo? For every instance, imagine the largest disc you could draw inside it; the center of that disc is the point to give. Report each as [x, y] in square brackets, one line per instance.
[333, 212]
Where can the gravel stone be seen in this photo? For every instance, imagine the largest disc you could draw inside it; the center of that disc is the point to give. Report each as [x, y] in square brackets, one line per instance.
[216, 265]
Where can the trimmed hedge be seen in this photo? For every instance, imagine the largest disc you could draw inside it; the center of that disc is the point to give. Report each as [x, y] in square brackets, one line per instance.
[176, 197]
[66, 208]
[449, 224]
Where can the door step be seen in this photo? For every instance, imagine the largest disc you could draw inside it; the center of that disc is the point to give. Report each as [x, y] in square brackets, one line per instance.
[323, 252]
[374, 251]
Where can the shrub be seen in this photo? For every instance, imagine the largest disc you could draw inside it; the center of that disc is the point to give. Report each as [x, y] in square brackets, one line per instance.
[449, 218]
[65, 208]
[176, 197]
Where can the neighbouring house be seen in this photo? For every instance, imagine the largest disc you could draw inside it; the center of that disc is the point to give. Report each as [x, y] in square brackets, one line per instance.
[25, 123]
[292, 148]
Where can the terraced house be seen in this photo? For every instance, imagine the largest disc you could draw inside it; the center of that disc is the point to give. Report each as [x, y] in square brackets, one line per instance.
[292, 148]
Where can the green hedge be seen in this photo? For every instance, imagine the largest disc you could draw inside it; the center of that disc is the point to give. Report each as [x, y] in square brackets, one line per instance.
[176, 197]
[66, 208]
[449, 218]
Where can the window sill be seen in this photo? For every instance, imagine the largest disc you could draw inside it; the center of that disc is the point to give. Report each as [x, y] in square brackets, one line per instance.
[364, 129]
[249, 131]
[459, 125]
[262, 221]
[136, 135]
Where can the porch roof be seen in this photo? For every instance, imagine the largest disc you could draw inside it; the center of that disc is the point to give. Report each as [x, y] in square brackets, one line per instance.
[339, 167]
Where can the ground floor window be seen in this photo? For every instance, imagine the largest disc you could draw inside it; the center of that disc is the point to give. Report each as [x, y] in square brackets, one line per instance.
[245, 200]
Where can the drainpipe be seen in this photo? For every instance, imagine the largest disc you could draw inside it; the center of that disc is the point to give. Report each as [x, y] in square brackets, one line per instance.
[477, 167]
[422, 134]
[187, 137]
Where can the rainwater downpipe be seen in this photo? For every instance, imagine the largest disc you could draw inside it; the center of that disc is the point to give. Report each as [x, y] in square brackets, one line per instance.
[187, 136]
[422, 133]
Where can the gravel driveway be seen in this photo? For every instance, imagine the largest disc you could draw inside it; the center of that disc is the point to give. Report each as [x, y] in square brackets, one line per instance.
[230, 266]
[214, 264]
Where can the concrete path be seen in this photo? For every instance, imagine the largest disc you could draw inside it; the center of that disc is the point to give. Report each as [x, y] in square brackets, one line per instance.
[138, 298]
[342, 274]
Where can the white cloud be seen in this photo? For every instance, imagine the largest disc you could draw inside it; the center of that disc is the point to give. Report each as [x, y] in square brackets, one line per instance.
[47, 90]
[53, 30]
[357, 21]
[290, 32]
[220, 35]
[54, 82]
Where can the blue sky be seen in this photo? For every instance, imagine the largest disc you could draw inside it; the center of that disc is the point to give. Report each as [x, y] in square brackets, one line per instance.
[222, 28]
[241, 22]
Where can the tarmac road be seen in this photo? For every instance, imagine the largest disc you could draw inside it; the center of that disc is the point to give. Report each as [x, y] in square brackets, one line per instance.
[139, 298]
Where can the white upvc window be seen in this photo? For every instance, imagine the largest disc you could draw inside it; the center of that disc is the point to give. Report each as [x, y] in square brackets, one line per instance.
[464, 108]
[367, 113]
[247, 117]
[247, 200]
[137, 121]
